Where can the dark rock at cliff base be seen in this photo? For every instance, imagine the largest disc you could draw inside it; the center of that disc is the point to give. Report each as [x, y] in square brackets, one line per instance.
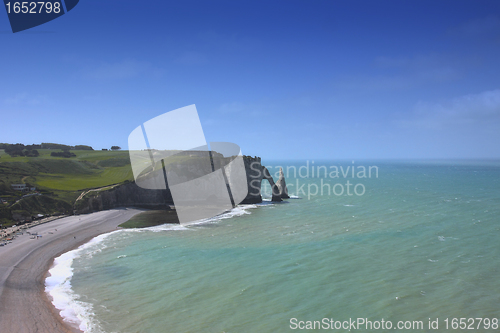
[276, 195]
[281, 185]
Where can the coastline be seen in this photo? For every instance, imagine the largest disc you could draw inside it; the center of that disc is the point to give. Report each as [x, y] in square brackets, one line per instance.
[24, 265]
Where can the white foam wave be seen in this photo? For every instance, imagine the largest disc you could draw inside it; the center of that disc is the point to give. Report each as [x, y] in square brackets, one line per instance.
[161, 227]
[295, 197]
[236, 211]
[58, 286]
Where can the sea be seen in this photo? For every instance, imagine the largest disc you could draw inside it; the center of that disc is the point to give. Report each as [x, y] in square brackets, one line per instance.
[412, 245]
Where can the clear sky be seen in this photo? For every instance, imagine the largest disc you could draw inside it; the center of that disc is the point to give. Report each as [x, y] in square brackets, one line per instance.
[283, 79]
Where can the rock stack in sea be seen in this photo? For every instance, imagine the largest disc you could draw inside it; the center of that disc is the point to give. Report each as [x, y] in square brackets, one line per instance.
[281, 185]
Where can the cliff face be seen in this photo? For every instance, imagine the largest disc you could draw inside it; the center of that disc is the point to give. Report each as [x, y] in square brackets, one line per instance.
[131, 195]
[126, 195]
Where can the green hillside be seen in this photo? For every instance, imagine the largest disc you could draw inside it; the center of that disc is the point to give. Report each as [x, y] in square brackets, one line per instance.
[60, 178]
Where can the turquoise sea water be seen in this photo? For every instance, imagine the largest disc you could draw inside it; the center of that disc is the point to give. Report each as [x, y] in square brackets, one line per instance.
[421, 242]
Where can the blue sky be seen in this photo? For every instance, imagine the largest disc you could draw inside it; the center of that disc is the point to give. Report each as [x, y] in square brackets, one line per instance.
[283, 79]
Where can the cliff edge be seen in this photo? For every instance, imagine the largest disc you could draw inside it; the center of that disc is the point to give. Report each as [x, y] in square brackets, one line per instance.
[131, 195]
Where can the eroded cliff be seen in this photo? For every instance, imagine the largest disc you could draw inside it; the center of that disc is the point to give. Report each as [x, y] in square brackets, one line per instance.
[131, 195]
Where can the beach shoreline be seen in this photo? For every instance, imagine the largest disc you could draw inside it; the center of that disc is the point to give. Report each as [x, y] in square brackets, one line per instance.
[24, 305]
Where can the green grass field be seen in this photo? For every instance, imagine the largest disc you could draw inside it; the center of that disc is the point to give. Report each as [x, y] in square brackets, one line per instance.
[65, 177]
[80, 182]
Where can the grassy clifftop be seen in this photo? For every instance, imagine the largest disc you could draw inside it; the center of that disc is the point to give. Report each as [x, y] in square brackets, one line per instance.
[87, 170]
[60, 178]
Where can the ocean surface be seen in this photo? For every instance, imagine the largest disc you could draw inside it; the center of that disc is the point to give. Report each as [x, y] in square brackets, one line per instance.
[418, 240]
